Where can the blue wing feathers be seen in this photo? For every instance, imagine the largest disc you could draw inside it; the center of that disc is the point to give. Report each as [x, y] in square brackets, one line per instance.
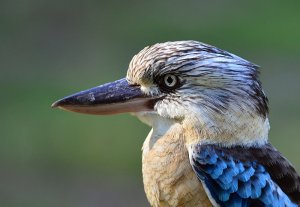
[245, 175]
[236, 183]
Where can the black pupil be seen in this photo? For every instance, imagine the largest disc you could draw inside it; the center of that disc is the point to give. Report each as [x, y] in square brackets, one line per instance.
[170, 80]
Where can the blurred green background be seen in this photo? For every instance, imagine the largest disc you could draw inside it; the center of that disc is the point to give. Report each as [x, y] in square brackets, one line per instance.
[50, 49]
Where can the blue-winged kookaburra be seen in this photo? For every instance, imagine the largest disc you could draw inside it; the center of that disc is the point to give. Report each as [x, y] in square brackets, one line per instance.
[209, 116]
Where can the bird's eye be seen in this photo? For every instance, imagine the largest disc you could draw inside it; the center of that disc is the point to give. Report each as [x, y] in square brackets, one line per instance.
[169, 82]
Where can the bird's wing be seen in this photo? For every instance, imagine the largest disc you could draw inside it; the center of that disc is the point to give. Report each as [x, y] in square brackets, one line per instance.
[246, 176]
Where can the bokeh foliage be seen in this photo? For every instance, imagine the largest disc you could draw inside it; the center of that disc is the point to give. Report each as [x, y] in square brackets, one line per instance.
[50, 49]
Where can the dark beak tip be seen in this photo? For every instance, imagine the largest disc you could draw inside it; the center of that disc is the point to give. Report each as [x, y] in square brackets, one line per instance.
[57, 104]
[54, 105]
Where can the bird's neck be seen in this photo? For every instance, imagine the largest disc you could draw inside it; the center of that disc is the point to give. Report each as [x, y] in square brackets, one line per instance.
[245, 129]
[160, 127]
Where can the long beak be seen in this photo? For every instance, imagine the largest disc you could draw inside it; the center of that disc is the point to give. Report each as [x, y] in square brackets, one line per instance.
[111, 98]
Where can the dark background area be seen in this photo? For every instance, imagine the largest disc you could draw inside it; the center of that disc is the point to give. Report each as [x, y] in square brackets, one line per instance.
[49, 49]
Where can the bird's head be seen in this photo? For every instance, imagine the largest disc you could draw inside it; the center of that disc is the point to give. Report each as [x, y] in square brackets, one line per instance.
[205, 89]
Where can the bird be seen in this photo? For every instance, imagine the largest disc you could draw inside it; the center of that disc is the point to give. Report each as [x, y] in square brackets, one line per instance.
[208, 144]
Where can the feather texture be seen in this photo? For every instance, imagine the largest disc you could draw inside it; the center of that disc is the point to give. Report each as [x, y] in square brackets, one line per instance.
[239, 176]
